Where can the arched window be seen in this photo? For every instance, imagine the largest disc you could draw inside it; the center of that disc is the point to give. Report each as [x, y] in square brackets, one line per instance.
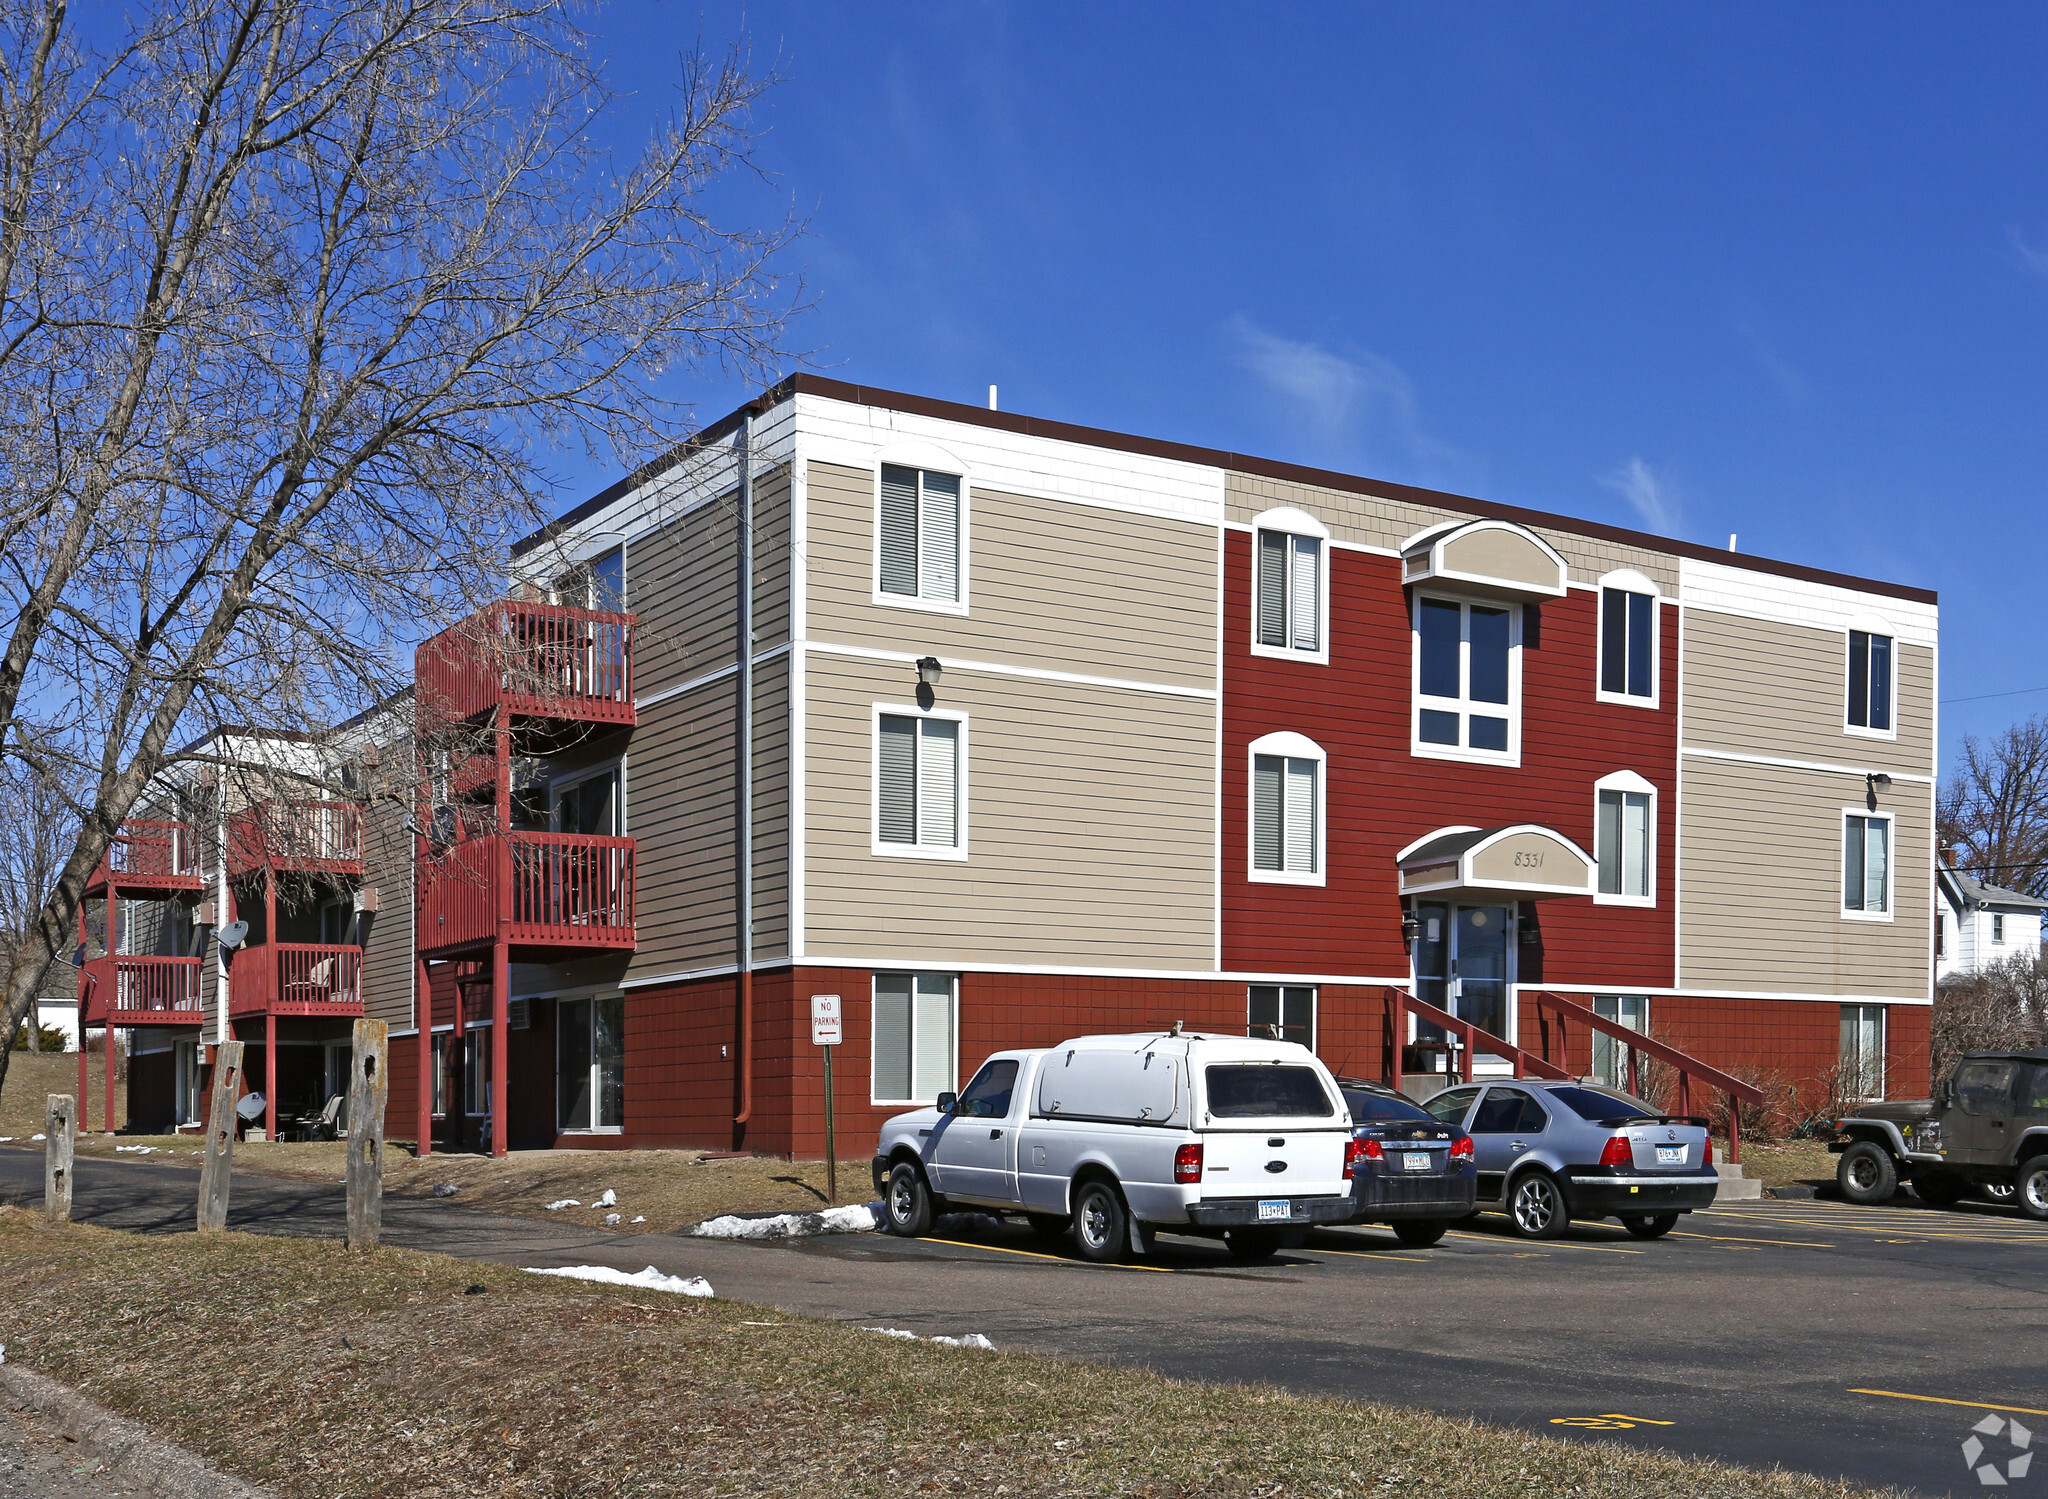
[1287, 800]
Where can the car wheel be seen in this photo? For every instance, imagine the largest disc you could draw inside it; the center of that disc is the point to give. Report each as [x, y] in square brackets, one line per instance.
[1102, 1230]
[1420, 1233]
[1867, 1174]
[1998, 1192]
[1051, 1225]
[1650, 1225]
[1251, 1243]
[1939, 1189]
[909, 1203]
[1536, 1207]
[2031, 1189]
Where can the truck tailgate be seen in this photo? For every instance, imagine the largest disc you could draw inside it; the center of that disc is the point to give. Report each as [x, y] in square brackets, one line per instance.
[1275, 1161]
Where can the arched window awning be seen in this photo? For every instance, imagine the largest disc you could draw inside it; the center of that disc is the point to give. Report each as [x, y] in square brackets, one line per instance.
[1490, 558]
[1522, 861]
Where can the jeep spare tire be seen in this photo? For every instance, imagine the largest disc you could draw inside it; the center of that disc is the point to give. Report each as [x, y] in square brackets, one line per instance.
[1867, 1174]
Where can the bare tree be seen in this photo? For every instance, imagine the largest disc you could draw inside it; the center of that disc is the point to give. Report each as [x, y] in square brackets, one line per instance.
[2004, 1006]
[38, 824]
[1994, 810]
[295, 295]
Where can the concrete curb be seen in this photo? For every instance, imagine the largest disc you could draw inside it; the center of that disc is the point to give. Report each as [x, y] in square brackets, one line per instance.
[132, 1452]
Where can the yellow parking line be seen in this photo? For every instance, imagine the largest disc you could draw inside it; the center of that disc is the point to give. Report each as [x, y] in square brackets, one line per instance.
[1738, 1239]
[1982, 1405]
[1548, 1243]
[1359, 1254]
[1057, 1259]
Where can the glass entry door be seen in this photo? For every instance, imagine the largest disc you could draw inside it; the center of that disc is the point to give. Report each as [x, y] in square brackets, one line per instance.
[1464, 964]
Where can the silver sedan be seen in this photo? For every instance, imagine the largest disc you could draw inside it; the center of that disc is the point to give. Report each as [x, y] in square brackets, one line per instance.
[1549, 1152]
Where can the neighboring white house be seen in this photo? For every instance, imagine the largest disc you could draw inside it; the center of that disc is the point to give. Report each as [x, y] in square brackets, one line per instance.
[1979, 924]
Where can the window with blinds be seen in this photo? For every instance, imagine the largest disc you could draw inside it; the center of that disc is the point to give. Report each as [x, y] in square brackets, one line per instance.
[1862, 1053]
[1285, 813]
[1290, 592]
[1622, 842]
[917, 782]
[913, 1049]
[918, 553]
[1866, 864]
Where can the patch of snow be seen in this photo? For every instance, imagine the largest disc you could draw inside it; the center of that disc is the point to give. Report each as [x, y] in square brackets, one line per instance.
[3, 1353]
[609, 1200]
[649, 1279]
[641, 1219]
[38, 1137]
[611, 1220]
[854, 1220]
[892, 1332]
[966, 1340]
[137, 1149]
[566, 1202]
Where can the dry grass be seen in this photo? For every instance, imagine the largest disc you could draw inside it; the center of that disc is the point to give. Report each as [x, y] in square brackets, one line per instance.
[319, 1373]
[1794, 1161]
[33, 1076]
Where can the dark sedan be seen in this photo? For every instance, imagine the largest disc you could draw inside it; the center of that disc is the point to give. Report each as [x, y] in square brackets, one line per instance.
[1408, 1170]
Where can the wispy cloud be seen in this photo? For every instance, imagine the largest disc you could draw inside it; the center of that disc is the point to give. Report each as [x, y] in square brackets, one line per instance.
[1764, 350]
[1349, 401]
[1654, 497]
[2028, 257]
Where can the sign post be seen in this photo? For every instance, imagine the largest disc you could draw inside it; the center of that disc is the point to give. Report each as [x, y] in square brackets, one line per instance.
[826, 1031]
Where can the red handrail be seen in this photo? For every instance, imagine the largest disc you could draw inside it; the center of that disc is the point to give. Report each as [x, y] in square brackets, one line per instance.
[1402, 1004]
[151, 848]
[567, 888]
[544, 660]
[140, 985]
[295, 833]
[290, 973]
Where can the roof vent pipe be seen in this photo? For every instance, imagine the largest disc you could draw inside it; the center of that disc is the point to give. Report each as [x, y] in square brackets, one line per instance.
[991, 398]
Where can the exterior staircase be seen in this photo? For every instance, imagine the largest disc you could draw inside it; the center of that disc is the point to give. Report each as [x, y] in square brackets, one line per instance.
[1735, 1187]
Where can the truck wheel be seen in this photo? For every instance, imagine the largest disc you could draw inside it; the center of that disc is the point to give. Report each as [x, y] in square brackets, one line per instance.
[2031, 1189]
[1537, 1207]
[1867, 1174]
[909, 1202]
[1939, 1189]
[1102, 1228]
[1420, 1233]
[1051, 1225]
[1251, 1243]
[1649, 1225]
[1998, 1192]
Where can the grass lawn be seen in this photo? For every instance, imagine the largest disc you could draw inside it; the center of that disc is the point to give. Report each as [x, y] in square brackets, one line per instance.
[33, 1076]
[1795, 1161]
[319, 1373]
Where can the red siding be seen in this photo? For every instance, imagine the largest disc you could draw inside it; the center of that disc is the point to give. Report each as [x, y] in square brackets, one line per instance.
[1381, 798]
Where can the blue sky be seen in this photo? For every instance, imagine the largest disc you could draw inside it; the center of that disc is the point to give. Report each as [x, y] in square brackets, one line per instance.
[1780, 271]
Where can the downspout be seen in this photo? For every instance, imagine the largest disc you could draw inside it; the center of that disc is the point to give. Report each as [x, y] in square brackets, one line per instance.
[743, 766]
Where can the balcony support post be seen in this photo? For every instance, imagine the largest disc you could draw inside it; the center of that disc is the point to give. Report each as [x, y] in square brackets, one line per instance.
[270, 1076]
[84, 994]
[109, 1068]
[423, 1017]
[501, 979]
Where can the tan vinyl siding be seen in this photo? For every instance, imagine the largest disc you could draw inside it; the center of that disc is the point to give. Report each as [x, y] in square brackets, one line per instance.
[680, 582]
[1365, 520]
[1758, 687]
[679, 809]
[387, 937]
[1762, 885]
[1076, 588]
[1088, 816]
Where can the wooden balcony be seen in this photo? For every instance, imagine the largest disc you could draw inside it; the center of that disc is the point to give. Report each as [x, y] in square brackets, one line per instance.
[297, 836]
[537, 661]
[296, 978]
[150, 859]
[551, 894]
[125, 990]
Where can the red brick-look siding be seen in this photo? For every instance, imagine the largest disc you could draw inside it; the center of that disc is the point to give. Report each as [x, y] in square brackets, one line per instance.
[1381, 798]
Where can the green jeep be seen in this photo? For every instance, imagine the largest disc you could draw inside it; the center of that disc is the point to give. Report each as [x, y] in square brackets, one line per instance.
[1987, 1130]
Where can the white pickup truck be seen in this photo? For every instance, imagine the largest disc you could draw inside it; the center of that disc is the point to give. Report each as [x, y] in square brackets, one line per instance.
[1120, 1136]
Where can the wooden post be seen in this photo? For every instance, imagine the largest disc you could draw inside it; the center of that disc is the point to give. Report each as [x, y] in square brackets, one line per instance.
[501, 982]
[109, 1060]
[369, 1087]
[220, 1137]
[831, 1145]
[60, 1128]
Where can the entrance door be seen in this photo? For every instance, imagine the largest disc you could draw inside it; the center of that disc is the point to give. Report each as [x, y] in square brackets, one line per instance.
[590, 1064]
[1463, 964]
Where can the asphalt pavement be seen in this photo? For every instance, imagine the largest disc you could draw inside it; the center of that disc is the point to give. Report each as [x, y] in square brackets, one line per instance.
[1865, 1343]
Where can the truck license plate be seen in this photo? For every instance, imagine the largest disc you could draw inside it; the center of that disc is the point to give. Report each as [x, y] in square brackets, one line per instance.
[1275, 1208]
[1415, 1160]
[1671, 1155]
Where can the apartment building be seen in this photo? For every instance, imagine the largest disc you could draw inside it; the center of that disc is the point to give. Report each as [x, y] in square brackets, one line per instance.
[1056, 730]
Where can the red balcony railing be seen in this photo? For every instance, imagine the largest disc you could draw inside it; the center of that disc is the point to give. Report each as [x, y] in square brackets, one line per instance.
[151, 854]
[308, 836]
[299, 978]
[558, 890]
[535, 660]
[123, 990]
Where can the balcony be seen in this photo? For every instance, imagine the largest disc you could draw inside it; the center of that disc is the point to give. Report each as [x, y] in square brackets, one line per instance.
[299, 837]
[150, 858]
[554, 894]
[124, 990]
[544, 661]
[296, 978]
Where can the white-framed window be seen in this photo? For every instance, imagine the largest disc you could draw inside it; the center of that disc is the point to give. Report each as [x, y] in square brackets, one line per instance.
[1290, 586]
[920, 538]
[1866, 864]
[588, 801]
[1288, 796]
[1628, 640]
[920, 782]
[1467, 680]
[1862, 1056]
[599, 583]
[1625, 839]
[914, 1049]
[1871, 695]
[1997, 930]
[475, 1057]
[1289, 1007]
[1610, 1055]
[590, 1065]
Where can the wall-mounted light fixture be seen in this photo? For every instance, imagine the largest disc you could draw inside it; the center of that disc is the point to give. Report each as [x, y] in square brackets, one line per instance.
[1410, 929]
[1874, 782]
[929, 670]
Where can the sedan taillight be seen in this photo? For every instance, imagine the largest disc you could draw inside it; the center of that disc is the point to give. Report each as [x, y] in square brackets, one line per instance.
[1617, 1152]
[1358, 1152]
[1461, 1150]
[1187, 1164]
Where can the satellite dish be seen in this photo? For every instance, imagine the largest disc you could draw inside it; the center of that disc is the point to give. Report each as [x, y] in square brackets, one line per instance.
[234, 934]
